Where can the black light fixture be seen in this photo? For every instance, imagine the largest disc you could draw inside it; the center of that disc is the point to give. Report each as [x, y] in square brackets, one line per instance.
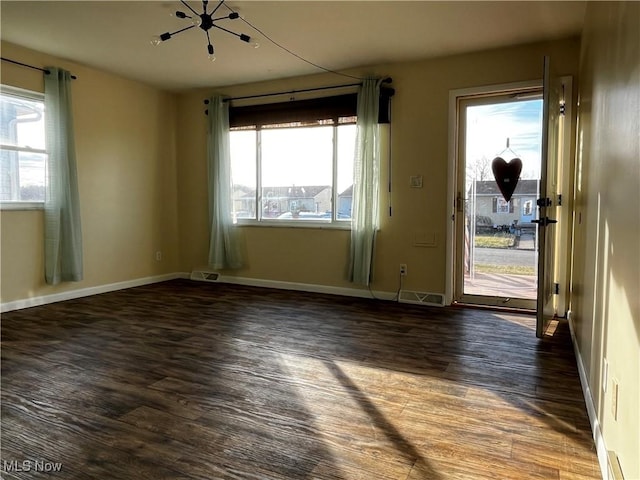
[206, 22]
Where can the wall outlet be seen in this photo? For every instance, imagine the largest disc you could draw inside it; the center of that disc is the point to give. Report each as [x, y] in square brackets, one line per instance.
[403, 269]
[158, 256]
[614, 398]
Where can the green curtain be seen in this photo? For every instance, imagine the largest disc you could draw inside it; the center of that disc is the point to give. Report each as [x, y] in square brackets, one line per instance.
[224, 249]
[63, 232]
[366, 187]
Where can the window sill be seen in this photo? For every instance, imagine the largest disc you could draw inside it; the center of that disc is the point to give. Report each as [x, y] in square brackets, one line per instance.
[21, 205]
[294, 224]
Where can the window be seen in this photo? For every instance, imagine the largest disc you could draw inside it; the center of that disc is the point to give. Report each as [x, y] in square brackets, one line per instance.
[500, 205]
[23, 154]
[292, 162]
[301, 176]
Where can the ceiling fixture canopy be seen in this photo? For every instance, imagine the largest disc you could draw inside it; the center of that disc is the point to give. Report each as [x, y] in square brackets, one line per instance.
[206, 22]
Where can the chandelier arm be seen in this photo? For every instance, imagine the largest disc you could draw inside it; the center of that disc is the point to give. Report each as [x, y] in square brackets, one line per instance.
[208, 39]
[182, 29]
[221, 18]
[228, 31]
[189, 7]
[215, 9]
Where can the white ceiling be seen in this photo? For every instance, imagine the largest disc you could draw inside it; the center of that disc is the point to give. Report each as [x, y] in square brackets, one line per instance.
[115, 35]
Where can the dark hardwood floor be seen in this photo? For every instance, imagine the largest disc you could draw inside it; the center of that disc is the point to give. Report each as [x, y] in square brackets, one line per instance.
[187, 380]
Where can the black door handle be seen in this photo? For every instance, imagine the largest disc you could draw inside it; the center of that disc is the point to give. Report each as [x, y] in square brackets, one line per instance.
[544, 221]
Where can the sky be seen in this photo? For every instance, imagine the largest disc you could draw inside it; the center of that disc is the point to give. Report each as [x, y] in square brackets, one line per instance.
[32, 165]
[489, 127]
[294, 156]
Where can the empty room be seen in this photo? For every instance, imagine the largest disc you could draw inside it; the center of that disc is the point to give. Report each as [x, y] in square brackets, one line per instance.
[320, 240]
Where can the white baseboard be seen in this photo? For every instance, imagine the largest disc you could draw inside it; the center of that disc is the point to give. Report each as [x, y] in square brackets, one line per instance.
[85, 292]
[308, 287]
[601, 448]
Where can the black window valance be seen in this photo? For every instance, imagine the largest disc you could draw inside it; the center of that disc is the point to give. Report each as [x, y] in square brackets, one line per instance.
[306, 111]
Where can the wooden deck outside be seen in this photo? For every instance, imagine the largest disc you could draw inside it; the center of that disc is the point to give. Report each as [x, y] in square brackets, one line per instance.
[186, 380]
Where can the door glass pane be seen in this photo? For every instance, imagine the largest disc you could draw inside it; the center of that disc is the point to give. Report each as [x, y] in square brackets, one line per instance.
[500, 239]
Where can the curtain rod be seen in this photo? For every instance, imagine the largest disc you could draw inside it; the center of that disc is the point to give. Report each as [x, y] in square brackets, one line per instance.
[29, 66]
[264, 95]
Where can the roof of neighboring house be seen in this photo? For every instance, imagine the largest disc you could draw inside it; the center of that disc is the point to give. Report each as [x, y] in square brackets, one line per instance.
[490, 187]
[309, 191]
[347, 193]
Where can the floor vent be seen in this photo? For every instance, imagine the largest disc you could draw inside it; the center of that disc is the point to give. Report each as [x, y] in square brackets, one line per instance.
[205, 276]
[421, 298]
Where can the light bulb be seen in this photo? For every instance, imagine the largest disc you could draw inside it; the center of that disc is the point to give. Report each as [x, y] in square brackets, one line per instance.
[156, 40]
[255, 45]
[196, 21]
[235, 15]
[212, 58]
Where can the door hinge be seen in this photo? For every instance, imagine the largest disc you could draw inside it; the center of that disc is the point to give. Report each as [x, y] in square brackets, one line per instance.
[563, 109]
[559, 199]
[459, 203]
[543, 202]
[556, 289]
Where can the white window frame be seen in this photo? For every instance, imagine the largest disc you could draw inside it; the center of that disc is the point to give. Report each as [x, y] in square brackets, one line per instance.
[527, 208]
[502, 206]
[30, 95]
[332, 223]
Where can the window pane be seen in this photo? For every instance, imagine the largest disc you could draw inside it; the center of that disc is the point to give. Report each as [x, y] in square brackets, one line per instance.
[346, 153]
[22, 176]
[243, 173]
[21, 122]
[297, 173]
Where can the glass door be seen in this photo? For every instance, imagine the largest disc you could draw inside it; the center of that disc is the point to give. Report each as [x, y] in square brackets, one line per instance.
[496, 236]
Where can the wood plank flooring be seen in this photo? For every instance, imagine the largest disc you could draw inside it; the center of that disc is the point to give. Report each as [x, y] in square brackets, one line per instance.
[186, 380]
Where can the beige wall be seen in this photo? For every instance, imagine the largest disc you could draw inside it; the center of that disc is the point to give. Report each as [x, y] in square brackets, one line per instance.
[606, 294]
[125, 145]
[419, 136]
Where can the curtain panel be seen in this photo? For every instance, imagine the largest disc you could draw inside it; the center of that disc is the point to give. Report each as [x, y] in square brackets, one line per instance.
[63, 232]
[366, 186]
[224, 249]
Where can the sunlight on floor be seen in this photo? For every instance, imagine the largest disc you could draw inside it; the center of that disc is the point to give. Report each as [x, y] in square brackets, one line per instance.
[525, 320]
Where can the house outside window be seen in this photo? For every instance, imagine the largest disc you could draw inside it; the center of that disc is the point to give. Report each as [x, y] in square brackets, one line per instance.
[520, 210]
[23, 154]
